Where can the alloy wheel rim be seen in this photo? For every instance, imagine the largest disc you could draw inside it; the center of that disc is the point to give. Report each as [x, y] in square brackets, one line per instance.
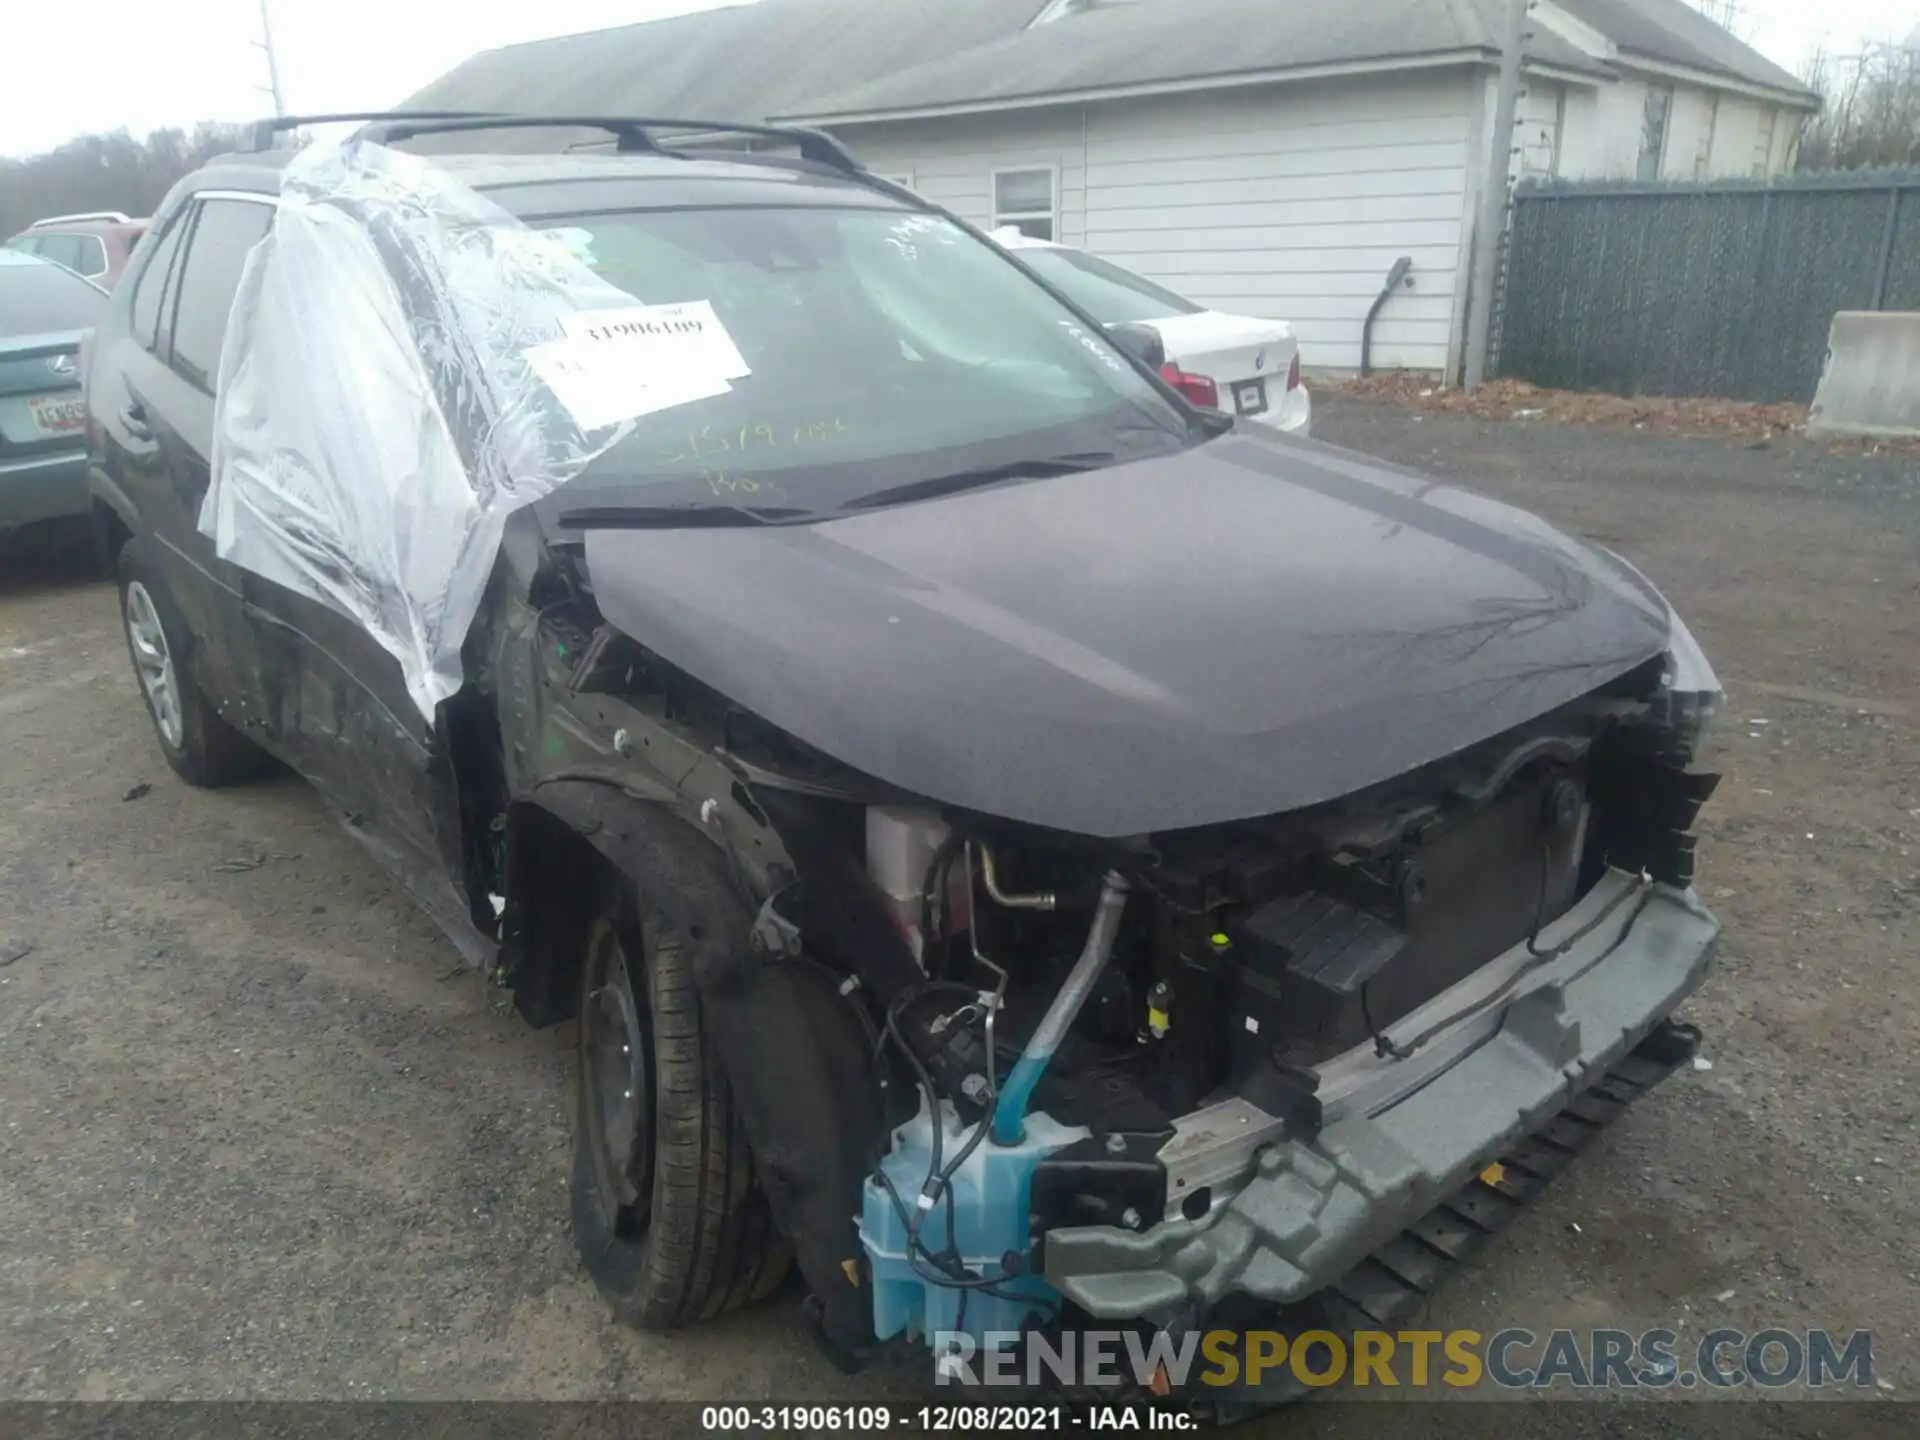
[153, 661]
[619, 1074]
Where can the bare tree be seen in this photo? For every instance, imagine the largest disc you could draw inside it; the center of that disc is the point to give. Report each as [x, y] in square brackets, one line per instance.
[106, 172]
[1730, 15]
[1870, 110]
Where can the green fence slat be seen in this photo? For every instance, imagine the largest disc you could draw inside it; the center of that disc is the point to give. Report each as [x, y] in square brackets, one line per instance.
[1724, 290]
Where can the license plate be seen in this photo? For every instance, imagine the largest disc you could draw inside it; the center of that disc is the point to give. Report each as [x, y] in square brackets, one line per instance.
[57, 414]
[1250, 396]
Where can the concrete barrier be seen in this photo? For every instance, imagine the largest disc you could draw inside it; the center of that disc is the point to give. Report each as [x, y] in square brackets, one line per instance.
[1871, 385]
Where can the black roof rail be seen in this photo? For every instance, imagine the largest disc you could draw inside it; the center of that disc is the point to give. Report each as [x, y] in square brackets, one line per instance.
[629, 132]
[264, 131]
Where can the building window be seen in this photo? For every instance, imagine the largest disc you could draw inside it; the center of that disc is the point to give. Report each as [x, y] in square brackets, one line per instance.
[1653, 132]
[1027, 200]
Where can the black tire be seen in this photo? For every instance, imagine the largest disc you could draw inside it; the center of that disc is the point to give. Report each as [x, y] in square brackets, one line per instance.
[202, 749]
[674, 1228]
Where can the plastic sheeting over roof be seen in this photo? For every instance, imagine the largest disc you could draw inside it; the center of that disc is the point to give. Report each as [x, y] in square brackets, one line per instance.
[397, 379]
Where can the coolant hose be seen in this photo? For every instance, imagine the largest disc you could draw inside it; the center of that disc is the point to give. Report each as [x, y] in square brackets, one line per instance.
[1010, 1111]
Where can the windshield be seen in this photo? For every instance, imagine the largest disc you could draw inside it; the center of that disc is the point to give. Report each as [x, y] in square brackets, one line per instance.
[886, 350]
[1111, 295]
[37, 298]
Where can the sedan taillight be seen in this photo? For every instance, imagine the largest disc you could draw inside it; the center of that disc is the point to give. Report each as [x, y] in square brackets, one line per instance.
[1293, 372]
[1198, 389]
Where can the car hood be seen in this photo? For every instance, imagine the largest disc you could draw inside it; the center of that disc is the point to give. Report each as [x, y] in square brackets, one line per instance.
[1240, 629]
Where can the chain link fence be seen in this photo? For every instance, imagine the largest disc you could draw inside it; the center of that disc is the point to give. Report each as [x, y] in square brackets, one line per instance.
[1722, 290]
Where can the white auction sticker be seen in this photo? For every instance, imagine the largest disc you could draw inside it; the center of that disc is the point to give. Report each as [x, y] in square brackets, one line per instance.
[602, 385]
[683, 337]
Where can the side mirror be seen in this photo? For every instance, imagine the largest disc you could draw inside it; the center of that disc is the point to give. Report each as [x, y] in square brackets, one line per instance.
[1143, 342]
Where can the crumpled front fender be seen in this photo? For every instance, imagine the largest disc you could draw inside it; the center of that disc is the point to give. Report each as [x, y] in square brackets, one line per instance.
[794, 1054]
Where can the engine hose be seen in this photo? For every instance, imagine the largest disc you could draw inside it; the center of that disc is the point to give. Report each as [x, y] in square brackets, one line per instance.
[1010, 1110]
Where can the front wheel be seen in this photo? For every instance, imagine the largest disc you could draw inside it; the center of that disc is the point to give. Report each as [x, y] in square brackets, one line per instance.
[668, 1217]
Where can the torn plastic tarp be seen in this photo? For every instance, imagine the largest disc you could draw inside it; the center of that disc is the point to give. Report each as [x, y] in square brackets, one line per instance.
[379, 415]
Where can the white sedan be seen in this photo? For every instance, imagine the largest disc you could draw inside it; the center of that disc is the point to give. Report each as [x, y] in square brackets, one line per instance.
[1226, 362]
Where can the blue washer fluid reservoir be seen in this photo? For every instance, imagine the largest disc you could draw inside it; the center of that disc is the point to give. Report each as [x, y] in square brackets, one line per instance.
[988, 1196]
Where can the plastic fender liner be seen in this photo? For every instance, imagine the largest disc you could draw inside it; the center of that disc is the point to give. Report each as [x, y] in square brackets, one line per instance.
[794, 1054]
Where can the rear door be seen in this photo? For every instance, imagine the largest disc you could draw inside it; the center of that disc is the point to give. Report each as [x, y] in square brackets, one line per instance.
[153, 402]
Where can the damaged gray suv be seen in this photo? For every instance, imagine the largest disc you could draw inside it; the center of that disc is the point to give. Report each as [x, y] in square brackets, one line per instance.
[1030, 851]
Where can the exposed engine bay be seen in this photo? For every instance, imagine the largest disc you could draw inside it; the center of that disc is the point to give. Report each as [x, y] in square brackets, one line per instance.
[1073, 1034]
[1082, 1004]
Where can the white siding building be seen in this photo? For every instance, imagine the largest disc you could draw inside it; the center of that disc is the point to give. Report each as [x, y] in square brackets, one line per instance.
[1290, 202]
[1266, 157]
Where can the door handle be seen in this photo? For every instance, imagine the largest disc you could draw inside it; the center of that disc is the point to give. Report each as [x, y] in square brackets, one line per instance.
[133, 415]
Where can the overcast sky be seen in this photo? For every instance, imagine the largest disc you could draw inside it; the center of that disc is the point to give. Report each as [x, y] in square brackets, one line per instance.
[148, 63]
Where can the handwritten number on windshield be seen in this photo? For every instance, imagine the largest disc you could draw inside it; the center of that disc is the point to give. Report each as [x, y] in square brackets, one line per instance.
[723, 482]
[710, 441]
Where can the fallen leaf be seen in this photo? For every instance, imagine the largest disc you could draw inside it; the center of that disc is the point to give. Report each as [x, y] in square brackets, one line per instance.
[138, 792]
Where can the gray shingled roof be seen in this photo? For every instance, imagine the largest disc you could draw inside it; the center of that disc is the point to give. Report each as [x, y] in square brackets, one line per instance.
[742, 63]
[796, 59]
[1163, 42]
[1673, 31]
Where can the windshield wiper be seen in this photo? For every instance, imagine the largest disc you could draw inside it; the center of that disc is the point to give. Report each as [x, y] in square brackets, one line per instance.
[680, 517]
[987, 475]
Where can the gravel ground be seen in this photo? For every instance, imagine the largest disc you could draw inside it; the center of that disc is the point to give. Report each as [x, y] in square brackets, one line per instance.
[261, 1136]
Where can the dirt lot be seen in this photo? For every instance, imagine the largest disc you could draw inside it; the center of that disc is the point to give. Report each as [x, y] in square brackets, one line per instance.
[260, 1136]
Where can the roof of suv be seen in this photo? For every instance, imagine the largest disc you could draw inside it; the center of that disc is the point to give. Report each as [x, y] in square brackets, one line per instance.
[685, 180]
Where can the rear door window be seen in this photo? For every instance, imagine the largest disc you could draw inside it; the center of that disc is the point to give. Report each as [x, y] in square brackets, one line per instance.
[93, 256]
[216, 253]
[65, 250]
[151, 283]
